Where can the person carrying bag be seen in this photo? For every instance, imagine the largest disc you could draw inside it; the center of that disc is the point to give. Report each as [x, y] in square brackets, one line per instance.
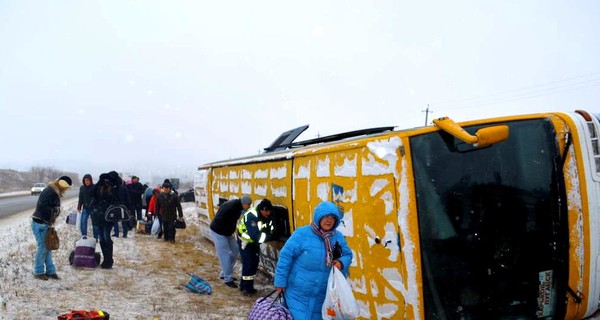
[46, 211]
[306, 260]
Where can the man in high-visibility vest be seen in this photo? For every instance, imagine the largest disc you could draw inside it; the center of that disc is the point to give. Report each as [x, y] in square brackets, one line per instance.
[254, 228]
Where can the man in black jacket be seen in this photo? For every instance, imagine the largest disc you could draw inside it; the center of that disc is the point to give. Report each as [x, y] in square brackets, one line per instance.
[87, 184]
[222, 230]
[168, 206]
[136, 189]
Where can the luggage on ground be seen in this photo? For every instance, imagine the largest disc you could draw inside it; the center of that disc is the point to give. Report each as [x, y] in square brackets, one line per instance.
[85, 315]
[84, 255]
[198, 285]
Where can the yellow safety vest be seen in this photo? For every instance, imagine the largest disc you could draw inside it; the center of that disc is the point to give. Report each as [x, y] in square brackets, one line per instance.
[243, 231]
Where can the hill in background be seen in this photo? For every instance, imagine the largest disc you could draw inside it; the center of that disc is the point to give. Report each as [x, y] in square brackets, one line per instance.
[11, 180]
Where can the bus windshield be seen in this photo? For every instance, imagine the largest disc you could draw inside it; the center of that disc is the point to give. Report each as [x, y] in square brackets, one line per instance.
[492, 224]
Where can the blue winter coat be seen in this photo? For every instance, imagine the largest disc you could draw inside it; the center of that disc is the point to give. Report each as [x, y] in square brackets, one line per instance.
[301, 267]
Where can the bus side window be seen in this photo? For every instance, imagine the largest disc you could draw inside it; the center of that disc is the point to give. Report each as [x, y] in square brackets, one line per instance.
[281, 225]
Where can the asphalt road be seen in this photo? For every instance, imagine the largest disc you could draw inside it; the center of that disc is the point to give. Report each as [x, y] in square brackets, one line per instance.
[15, 204]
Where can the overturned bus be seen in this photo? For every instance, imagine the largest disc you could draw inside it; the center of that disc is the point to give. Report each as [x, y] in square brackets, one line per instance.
[487, 219]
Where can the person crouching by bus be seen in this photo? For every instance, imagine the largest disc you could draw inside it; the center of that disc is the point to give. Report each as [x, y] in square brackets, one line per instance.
[168, 205]
[254, 228]
[44, 216]
[222, 230]
[306, 259]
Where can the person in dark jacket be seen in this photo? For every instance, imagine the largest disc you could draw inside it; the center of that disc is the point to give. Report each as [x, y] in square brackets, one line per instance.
[44, 216]
[136, 189]
[222, 230]
[253, 228]
[83, 203]
[125, 200]
[167, 206]
[109, 190]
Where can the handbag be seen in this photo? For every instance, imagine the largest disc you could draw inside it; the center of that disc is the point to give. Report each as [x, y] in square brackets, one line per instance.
[180, 223]
[51, 240]
[117, 213]
[72, 218]
[339, 303]
[270, 308]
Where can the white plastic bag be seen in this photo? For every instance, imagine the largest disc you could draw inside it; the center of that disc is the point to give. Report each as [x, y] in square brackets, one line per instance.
[78, 221]
[155, 226]
[339, 301]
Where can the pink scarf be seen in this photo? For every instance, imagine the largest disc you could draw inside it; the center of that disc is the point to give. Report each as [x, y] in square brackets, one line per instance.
[326, 236]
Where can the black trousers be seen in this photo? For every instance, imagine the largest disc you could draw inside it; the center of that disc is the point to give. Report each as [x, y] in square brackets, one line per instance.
[250, 259]
[169, 230]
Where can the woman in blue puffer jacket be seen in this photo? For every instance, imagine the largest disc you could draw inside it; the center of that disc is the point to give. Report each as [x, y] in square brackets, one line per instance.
[306, 260]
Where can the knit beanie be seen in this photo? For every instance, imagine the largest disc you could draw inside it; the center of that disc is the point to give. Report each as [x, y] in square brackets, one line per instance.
[246, 199]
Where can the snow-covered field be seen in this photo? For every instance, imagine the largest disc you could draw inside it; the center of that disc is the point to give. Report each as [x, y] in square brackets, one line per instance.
[146, 282]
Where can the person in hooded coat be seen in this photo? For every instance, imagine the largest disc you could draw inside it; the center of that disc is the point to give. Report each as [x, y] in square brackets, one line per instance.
[109, 190]
[87, 184]
[306, 259]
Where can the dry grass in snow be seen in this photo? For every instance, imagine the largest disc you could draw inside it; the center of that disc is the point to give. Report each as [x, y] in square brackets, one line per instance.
[146, 282]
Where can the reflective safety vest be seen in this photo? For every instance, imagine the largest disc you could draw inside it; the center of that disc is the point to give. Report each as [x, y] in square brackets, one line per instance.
[262, 227]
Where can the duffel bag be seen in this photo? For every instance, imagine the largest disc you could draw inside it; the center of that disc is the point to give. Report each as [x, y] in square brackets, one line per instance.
[270, 308]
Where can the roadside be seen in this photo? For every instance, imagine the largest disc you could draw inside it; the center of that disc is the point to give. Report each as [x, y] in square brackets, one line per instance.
[147, 281]
[14, 194]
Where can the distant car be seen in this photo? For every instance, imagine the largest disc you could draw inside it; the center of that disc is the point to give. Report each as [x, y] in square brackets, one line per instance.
[37, 188]
[187, 196]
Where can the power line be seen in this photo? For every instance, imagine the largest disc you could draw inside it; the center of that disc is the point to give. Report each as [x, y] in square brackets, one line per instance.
[427, 112]
[549, 88]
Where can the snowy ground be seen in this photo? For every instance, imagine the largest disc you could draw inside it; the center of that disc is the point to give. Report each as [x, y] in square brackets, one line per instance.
[146, 282]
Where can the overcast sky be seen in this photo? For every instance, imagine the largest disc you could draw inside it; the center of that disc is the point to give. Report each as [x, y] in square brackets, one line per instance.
[156, 88]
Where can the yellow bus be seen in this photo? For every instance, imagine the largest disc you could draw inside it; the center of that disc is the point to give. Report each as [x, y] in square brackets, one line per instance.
[486, 219]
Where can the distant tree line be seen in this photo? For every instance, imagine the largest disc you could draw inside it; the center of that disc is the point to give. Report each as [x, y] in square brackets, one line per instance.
[12, 180]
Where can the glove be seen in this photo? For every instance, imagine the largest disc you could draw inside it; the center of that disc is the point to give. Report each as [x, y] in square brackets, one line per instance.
[337, 251]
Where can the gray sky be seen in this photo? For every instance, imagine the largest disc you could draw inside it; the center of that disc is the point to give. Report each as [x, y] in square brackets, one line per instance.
[160, 87]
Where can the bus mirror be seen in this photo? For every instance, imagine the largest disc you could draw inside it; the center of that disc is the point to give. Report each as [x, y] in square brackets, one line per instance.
[483, 137]
[491, 135]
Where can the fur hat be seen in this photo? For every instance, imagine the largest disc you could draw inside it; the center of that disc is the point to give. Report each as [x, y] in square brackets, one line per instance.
[246, 199]
[65, 182]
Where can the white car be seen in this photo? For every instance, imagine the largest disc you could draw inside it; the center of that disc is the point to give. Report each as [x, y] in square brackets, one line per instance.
[37, 188]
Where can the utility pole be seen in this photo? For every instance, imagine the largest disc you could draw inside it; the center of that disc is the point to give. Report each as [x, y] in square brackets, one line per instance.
[427, 112]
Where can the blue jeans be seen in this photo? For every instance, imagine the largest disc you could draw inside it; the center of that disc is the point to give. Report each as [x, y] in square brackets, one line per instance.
[227, 251]
[42, 263]
[85, 214]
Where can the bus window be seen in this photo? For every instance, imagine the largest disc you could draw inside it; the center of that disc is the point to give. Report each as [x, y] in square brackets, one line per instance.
[492, 227]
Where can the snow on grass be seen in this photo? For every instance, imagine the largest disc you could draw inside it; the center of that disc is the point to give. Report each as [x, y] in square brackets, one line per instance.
[146, 282]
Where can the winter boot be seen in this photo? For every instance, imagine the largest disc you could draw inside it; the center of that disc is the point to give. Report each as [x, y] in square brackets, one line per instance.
[247, 287]
[107, 252]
